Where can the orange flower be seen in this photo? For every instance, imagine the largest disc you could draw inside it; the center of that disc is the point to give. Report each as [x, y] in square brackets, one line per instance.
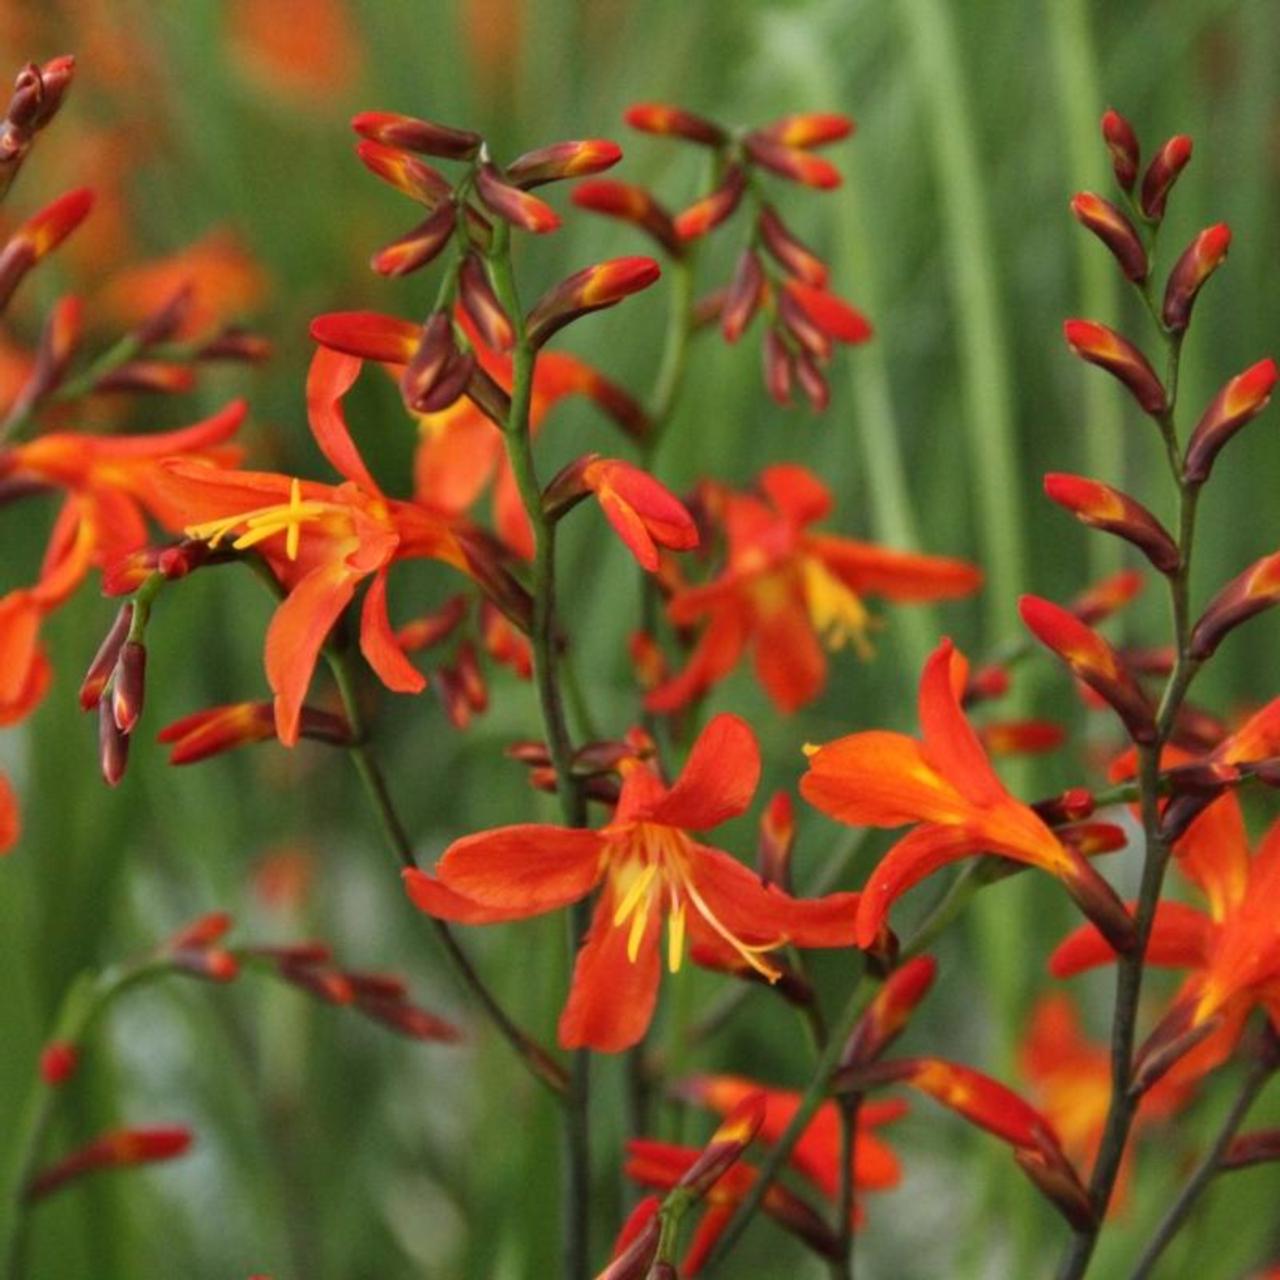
[817, 1154]
[112, 485]
[1071, 1077]
[10, 825]
[1232, 950]
[946, 785]
[320, 541]
[786, 590]
[650, 867]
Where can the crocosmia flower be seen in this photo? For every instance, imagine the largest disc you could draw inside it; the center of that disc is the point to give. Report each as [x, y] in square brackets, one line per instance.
[649, 867]
[944, 783]
[787, 591]
[320, 541]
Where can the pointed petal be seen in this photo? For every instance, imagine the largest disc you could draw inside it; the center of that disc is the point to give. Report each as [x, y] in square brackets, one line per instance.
[438, 900]
[1181, 937]
[789, 660]
[456, 458]
[296, 634]
[530, 865]
[379, 645]
[796, 492]
[718, 780]
[330, 377]
[1214, 854]
[611, 999]
[715, 655]
[905, 576]
[950, 743]
[918, 854]
[879, 779]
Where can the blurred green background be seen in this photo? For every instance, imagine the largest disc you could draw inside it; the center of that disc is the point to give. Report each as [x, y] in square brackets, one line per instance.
[329, 1149]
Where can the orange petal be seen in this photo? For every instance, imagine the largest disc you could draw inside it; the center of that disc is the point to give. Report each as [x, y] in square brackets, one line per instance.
[296, 634]
[438, 900]
[1214, 854]
[718, 780]
[379, 645]
[1181, 937]
[331, 375]
[456, 458]
[906, 576]
[796, 492]
[611, 999]
[530, 865]
[980, 1100]
[950, 743]
[789, 660]
[368, 334]
[715, 655]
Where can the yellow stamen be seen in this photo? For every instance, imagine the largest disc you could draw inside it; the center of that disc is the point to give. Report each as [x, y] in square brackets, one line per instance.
[638, 923]
[838, 615]
[266, 522]
[749, 952]
[637, 889]
[675, 939]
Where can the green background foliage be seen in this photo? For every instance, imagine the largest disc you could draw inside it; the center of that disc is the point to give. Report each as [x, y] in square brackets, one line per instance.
[328, 1149]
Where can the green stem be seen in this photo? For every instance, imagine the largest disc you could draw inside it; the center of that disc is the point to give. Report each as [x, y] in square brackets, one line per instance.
[842, 1266]
[1263, 1068]
[539, 1061]
[544, 640]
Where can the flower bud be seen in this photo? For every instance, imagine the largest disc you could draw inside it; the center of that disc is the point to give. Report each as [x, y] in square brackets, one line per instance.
[236, 343]
[1108, 350]
[433, 363]
[708, 213]
[1238, 403]
[419, 247]
[1092, 661]
[1021, 737]
[812, 383]
[38, 236]
[434, 628]
[409, 176]
[793, 255]
[368, 334]
[1256, 589]
[1102, 599]
[1122, 142]
[591, 289]
[1114, 230]
[888, 1013]
[1102, 507]
[776, 841]
[726, 1146]
[637, 1243]
[113, 746]
[37, 95]
[778, 367]
[515, 206]
[129, 686]
[808, 129]
[168, 318]
[1259, 1147]
[1162, 173]
[831, 314]
[114, 1150]
[58, 1062]
[1056, 1179]
[422, 136]
[632, 204]
[482, 306]
[1071, 805]
[654, 117]
[104, 661]
[746, 290]
[563, 160]
[1199, 261]
[155, 376]
[792, 163]
[208, 733]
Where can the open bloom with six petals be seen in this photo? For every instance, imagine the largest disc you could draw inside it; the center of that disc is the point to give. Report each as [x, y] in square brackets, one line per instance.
[787, 590]
[320, 541]
[945, 784]
[649, 866]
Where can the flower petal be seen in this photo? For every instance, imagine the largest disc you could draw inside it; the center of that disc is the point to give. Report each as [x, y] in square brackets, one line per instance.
[906, 576]
[10, 826]
[950, 743]
[790, 661]
[1214, 854]
[438, 900]
[379, 645]
[715, 655]
[796, 492]
[718, 780]
[612, 998]
[1181, 937]
[331, 375]
[532, 866]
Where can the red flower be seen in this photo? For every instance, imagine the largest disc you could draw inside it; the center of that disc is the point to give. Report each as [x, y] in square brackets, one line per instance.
[650, 867]
[1232, 950]
[945, 784]
[786, 589]
[10, 825]
[115, 1150]
[320, 542]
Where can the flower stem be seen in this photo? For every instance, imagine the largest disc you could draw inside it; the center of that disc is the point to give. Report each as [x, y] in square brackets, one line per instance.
[1262, 1069]
[543, 637]
[539, 1061]
[842, 1266]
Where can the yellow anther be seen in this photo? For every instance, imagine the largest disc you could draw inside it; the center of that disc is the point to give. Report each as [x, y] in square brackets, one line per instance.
[675, 938]
[837, 613]
[635, 891]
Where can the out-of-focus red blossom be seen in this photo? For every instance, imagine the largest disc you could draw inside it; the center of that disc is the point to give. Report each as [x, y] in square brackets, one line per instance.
[601, 285]
[37, 95]
[1122, 142]
[1256, 589]
[777, 840]
[714, 208]
[1237, 404]
[40, 235]
[1162, 173]
[1091, 660]
[1021, 737]
[992, 1106]
[631, 203]
[240, 724]
[946, 785]
[1114, 230]
[282, 878]
[118, 1149]
[510, 203]
[1119, 357]
[10, 823]
[1098, 602]
[58, 1062]
[561, 160]
[194, 948]
[644, 513]
[1232, 950]
[1070, 1076]
[304, 51]
[887, 1015]
[651, 868]
[808, 129]
[816, 1154]
[1103, 507]
[832, 315]
[112, 484]
[320, 541]
[225, 280]
[1199, 261]
[656, 117]
[787, 590]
